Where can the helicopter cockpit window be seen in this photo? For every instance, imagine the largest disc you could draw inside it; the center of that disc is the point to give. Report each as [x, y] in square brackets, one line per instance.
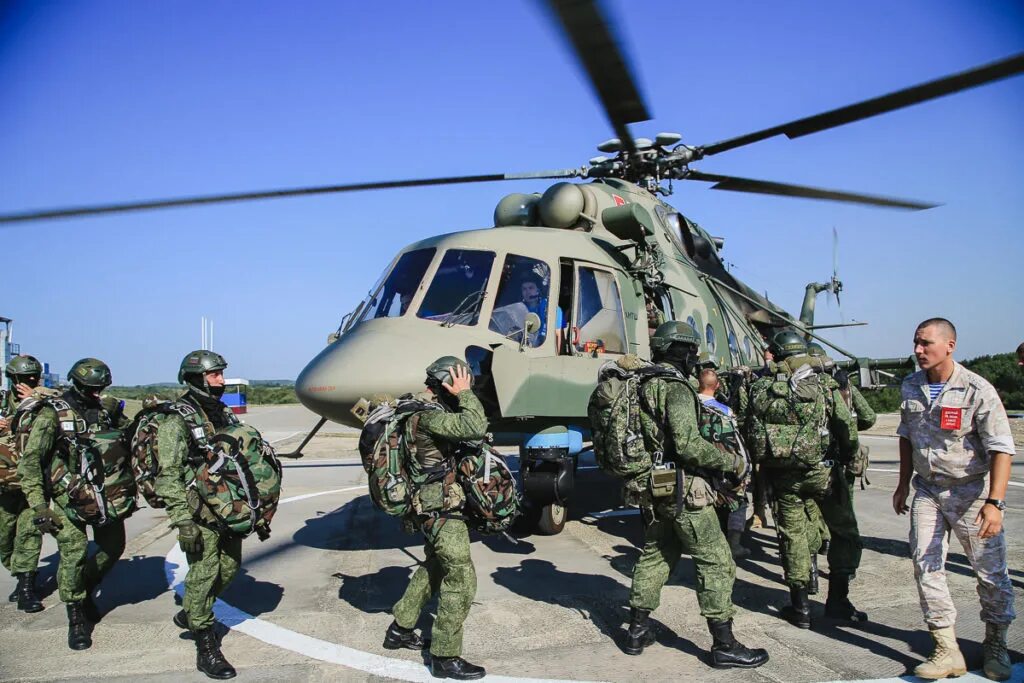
[599, 314]
[524, 288]
[392, 294]
[457, 291]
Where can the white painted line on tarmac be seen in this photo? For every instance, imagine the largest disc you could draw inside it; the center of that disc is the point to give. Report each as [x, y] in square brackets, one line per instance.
[285, 438]
[1016, 674]
[175, 568]
[879, 469]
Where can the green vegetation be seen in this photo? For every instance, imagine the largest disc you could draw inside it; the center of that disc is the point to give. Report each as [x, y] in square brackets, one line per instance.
[262, 393]
[1001, 370]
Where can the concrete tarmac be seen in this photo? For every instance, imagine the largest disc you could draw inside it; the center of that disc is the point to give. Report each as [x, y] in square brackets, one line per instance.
[312, 603]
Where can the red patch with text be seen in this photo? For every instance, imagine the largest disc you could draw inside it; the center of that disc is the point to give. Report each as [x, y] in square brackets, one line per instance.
[619, 201]
[950, 418]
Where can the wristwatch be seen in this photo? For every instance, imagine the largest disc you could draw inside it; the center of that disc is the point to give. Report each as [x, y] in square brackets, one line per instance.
[1000, 504]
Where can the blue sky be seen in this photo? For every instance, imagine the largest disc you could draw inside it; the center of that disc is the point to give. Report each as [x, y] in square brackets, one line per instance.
[106, 101]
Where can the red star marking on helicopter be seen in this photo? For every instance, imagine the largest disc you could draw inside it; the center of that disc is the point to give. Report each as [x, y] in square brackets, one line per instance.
[619, 201]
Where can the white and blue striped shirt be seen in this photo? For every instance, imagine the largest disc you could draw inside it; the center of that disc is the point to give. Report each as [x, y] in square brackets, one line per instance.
[934, 390]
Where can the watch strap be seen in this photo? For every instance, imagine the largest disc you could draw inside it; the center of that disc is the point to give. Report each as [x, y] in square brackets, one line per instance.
[999, 504]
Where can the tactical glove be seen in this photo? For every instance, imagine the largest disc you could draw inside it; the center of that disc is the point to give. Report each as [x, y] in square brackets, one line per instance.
[190, 539]
[46, 520]
[263, 533]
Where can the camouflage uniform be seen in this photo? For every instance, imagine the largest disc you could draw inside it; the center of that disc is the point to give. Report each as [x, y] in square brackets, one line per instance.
[20, 542]
[827, 485]
[210, 571]
[694, 529]
[77, 574]
[951, 483]
[448, 568]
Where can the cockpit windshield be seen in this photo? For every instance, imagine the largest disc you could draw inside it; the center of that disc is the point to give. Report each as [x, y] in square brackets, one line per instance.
[457, 291]
[392, 295]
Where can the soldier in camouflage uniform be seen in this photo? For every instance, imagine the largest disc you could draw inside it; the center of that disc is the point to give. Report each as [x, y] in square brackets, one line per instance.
[20, 541]
[448, 568]
[213, 556]
[78, 575]
[954, 434]
[825, 483]
[672, 529]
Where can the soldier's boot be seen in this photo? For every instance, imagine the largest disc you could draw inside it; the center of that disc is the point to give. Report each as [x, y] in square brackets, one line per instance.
[812, 583]
[78, 627]
[13, 597]
[946, 659]
[838, 605]
[997, 659]
[28, 601]
[825, 544]
[455, 667]
[209, 658]
[180, 619]
[640, 633]
[735, 546]
[397, 638]
[799, 612]
[727, 652]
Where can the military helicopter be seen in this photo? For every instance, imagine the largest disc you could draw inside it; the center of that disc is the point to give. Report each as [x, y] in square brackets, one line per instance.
[570, 277]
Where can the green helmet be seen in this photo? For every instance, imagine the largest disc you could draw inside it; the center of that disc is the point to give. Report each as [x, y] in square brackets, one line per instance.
[673, 332]
[815, 349]
[706, 360]
[24, 366]
[786, 343]
[439, 369]
[199, 363]
[90, 372]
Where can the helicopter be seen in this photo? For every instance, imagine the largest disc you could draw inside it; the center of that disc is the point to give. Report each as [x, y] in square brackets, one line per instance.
[569, 277]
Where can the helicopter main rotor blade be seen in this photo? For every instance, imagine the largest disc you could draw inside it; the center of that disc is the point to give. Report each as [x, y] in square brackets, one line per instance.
[878, 105]
[735, 184]
[603, 58]
[123, 207]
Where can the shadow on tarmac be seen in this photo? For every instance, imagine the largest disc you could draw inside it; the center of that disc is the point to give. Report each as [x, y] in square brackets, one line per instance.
[955, 562]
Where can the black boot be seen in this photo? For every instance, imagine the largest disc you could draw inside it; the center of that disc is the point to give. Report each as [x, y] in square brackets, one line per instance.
[78, 628]
[27, 600]
[823, 550]
[640, 633]
[397, 638]
[798, 613]
[838, 605]
[727, 652]
[180, 619]
[209, 659]
[735, 546]
[812, 583]
[92, 612]
[455, 667]
[13, 597]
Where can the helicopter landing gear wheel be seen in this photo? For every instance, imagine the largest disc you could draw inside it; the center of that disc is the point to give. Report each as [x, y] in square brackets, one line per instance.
[552, 519]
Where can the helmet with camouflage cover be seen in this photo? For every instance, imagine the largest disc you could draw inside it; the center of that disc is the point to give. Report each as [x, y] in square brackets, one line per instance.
[194, 367]
[22, 368]
[786, 343]
[674, 332]
[816, 350]
[90, 374]
[706, 360]
[439, 370]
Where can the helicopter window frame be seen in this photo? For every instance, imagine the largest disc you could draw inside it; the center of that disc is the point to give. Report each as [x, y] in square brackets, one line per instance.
[709, 336]
[734, 347]
[599, 345]
[484, 271]
[748, 349]
[677, 228]
[511, 318]
[372, 308]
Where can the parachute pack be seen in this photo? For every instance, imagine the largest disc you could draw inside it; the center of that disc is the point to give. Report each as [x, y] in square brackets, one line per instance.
[13, 443]
[90, 473]
[789, 425]
[493, 502]
[145, 445]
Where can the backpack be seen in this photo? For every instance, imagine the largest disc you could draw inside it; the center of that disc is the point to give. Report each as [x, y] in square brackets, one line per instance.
[493, 502]
[89, 470]
[13, 443]
[145, 460]
[237, 483]
[387, 446]
[722, 432]
[790, 419]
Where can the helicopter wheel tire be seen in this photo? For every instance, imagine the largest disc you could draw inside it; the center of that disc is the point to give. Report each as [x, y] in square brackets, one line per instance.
[552, 519]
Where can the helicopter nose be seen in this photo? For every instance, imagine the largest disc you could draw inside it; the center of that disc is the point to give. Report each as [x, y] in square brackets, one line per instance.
[387, 355]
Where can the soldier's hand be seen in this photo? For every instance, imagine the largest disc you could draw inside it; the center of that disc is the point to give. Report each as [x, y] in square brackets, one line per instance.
[899, 500]
[991, 519]
[5, 424]
[23, 390]
[190, 538]
[460, 380]
[262, 533]
[46, 520]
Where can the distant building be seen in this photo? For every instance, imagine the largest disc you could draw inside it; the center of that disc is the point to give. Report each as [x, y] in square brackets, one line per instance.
[234, 394]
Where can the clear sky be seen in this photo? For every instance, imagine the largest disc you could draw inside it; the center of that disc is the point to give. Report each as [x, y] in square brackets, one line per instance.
[107, 101]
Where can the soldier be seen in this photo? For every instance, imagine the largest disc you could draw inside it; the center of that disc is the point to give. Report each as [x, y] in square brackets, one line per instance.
[20, 541]
[954, 434]
[693, 527]
[797, 413]
[213, 556]
[448, 568]
[77, 575]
